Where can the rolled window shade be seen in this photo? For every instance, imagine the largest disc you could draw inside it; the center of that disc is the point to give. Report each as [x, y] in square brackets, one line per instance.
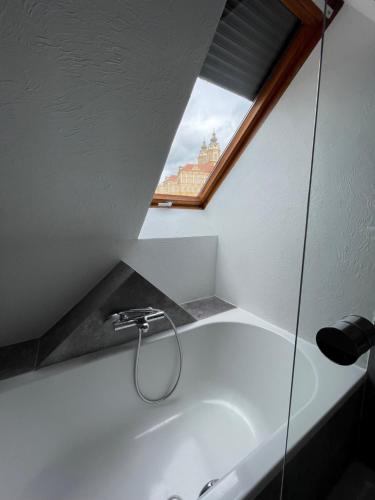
[250, 37]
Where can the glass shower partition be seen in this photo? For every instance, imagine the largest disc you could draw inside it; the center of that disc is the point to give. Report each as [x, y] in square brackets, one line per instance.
[330, 434]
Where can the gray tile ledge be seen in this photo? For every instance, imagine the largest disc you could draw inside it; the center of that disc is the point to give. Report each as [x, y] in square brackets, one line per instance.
[207, 307]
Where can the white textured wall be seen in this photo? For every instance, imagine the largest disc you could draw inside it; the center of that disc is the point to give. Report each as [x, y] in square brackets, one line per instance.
[366, 7]
[91, 93]
[183, 268]
[340, 259]
[258, 212]
[174, 223]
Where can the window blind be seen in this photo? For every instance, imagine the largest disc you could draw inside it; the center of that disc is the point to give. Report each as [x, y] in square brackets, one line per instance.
[249, 39]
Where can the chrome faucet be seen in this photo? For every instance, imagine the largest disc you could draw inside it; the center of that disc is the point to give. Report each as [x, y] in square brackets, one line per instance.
[140, 318]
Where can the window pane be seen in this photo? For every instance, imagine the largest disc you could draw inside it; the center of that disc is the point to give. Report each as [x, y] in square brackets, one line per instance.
[211, 119]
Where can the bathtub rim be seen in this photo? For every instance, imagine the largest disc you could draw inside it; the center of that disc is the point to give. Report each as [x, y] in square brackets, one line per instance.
[235, 315]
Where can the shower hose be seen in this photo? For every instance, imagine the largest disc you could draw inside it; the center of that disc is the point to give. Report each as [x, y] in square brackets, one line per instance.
[170, 391]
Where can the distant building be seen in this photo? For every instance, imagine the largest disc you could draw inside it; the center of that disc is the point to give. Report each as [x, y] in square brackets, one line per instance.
[211, 153]
[191, 177]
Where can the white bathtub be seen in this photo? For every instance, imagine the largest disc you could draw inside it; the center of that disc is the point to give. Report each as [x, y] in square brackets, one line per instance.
[78, 431]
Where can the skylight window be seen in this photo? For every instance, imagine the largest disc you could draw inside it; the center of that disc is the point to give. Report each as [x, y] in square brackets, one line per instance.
[211, 119]
[258, 48]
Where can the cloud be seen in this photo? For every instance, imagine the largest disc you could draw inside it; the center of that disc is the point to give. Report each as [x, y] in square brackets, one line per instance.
[209, 108]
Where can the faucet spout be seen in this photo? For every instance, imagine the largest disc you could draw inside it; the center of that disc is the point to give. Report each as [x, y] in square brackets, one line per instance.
[140, 318]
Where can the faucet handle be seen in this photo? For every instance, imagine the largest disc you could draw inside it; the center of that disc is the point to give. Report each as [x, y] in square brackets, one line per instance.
[116, 317]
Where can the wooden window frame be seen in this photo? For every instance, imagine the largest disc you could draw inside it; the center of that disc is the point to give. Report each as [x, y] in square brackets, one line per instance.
[294, 56]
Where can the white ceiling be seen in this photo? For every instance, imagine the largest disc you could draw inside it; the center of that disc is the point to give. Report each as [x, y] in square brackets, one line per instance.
[91, 93]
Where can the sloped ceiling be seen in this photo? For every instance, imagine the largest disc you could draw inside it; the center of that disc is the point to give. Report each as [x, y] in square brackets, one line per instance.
[91, 93]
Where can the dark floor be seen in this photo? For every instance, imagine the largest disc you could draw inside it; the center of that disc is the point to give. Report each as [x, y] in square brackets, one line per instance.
[357, 483]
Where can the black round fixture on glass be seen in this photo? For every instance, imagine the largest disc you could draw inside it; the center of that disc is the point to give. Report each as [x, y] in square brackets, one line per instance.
[347, 339]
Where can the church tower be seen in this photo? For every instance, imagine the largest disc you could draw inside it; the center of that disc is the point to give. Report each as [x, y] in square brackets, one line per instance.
[203, 158]
[211, 153]
[213, 150]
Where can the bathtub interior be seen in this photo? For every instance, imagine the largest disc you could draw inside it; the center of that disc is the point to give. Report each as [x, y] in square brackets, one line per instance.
[83, 432]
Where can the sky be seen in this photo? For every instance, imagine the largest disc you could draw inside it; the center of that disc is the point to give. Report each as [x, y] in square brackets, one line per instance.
[209, 108]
